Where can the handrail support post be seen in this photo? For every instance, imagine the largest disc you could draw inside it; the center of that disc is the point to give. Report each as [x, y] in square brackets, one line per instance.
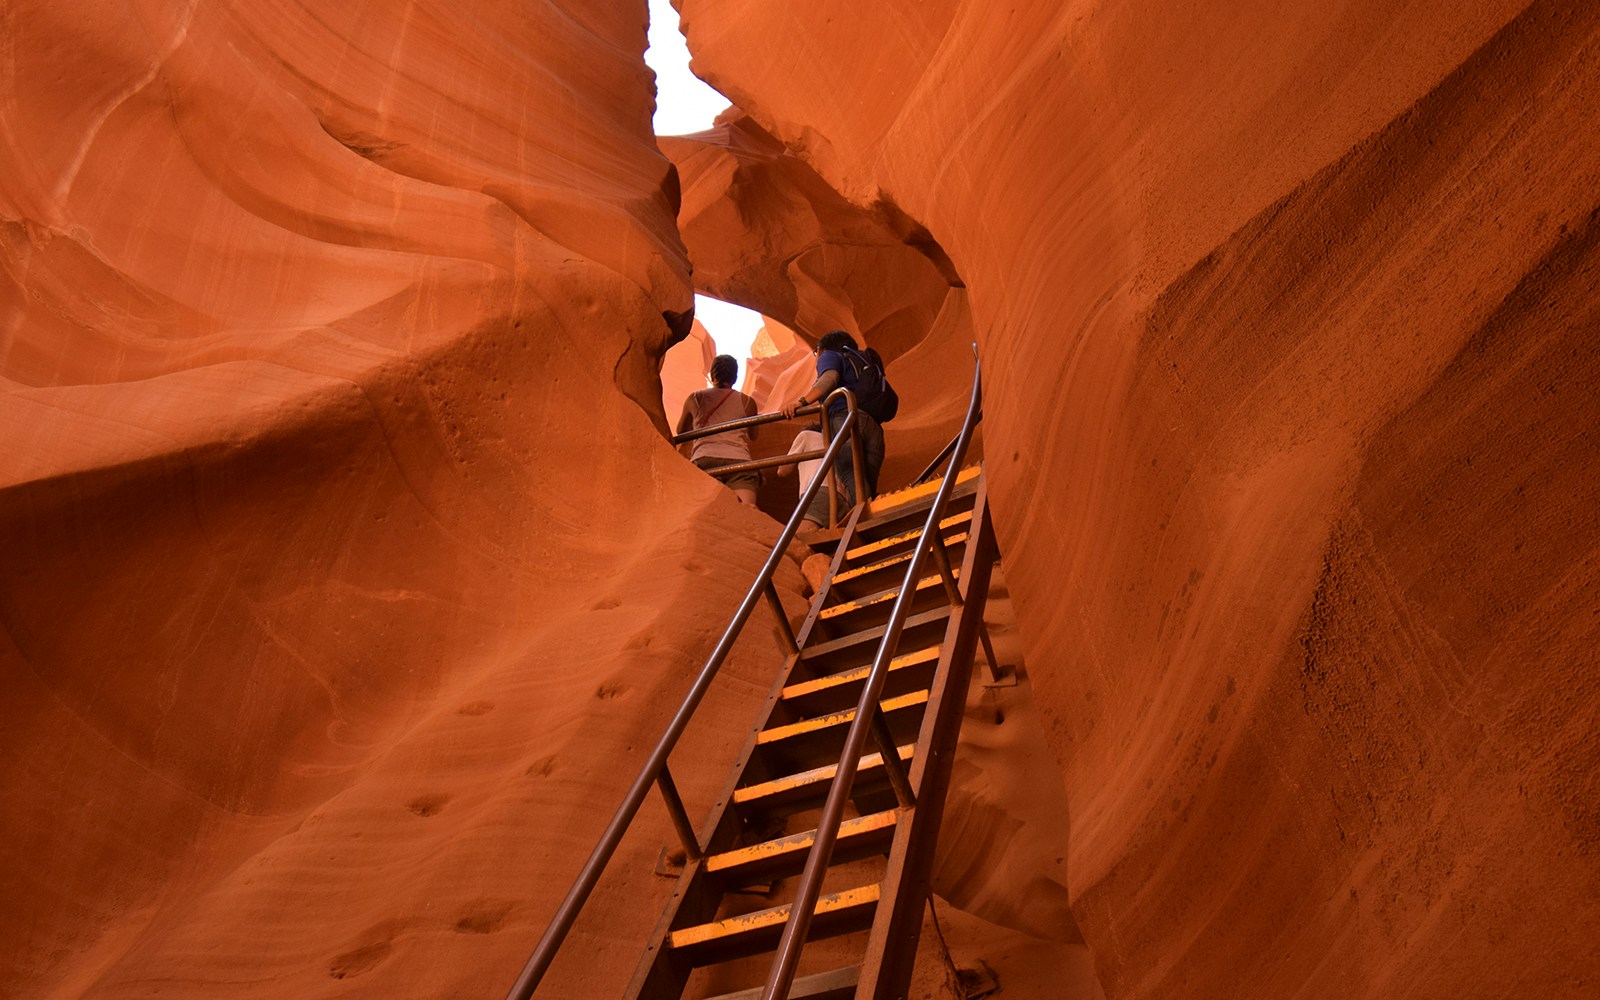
[680, 815]
[941, 557]
[857, 455]
[996, 674]
[893, 766]
[784, 628]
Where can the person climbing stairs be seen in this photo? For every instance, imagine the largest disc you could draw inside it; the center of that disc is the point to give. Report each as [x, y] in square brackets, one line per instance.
[764, 832]
[826, 828]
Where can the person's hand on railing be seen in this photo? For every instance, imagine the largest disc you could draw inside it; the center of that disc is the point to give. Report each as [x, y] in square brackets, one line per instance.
[788, 409]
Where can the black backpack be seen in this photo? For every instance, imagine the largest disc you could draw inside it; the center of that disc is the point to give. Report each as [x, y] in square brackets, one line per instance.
[873, 392]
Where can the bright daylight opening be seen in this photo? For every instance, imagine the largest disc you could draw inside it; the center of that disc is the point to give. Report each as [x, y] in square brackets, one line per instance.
[684, 104]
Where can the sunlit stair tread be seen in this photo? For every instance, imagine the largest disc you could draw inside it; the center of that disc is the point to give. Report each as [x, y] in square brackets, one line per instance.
[841, 718]
[749, 933]
[881, 597]
[858, 837]
[811, 784]
[868, 548]
[822, 735]
[839, 691]
[867, 638]
[838, 984]
[899, 559]
[888, 504]
[855, 675]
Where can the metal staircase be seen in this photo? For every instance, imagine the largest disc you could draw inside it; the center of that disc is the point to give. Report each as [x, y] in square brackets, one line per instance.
[828, 823]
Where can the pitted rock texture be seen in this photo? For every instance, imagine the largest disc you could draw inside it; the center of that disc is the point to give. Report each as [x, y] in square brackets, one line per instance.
[336, 528]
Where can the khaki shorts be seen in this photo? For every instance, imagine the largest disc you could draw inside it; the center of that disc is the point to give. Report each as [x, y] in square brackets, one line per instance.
[818, 510]
[738, 481]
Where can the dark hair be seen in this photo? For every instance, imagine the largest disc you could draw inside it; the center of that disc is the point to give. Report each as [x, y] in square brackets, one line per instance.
[724, 369]
[836, 339]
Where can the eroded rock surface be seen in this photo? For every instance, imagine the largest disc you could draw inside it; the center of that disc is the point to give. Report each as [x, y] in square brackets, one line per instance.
[764, 229]
[344, 567]
[334, 516]
[1286, 316]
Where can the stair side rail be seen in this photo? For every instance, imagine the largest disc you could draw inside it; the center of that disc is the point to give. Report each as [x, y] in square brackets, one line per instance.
[780, 978]
[655, 770]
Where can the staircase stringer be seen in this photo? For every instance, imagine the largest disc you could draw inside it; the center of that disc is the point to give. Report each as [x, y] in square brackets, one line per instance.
[892, 945]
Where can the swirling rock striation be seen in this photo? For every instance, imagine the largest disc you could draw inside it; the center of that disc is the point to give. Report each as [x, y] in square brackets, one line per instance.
[1285, 317]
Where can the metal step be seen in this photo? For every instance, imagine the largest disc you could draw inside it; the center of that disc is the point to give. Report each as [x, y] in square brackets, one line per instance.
[899, 543]
[801, 744]
[836, 692]
[892, 513]
[874, 609]
[752, 933]
[807, 789]
[877, 571]
[859, 648]
[860, 837]
[902, 502]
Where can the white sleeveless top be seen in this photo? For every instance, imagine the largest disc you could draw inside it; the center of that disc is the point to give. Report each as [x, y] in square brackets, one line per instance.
[715, 406]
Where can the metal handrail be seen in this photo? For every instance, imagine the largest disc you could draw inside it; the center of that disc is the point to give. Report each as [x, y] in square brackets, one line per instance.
[858, 471]
[784, 962]
[655, 769]
[742, 422]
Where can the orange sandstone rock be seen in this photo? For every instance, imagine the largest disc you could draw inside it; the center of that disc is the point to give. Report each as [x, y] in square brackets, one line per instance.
[342, 565]
[1286, 318]
[684, 368]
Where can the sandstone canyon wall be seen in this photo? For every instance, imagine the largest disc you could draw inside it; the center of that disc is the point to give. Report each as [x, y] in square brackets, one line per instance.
[330, 633]
[342, 564]
[1288, 320]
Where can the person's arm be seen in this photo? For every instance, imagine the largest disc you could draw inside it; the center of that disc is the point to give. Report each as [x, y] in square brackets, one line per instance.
[825, 383]
[750, 411]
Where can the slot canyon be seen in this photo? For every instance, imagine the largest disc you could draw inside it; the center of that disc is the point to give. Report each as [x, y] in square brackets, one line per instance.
[348, 574]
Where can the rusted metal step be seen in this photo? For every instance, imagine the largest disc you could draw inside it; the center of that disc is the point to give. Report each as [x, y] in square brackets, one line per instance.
[858, 649]
[889, 509]
[815, 741]
[838, 691]
[807, 789]
[752, 933]
[876, 571]
[839, 984]
[859, 838]
[873, 609]
[894, 513]
[900, 544]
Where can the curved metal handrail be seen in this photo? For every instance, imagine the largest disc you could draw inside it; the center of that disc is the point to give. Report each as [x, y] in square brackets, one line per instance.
[781, 976]
[655, 768]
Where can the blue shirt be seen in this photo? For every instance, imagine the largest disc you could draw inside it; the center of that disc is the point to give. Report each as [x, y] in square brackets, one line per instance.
[833, 361]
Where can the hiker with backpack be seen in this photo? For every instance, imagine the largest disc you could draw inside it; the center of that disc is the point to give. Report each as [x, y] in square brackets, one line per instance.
[718, 404]
[841, 363]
